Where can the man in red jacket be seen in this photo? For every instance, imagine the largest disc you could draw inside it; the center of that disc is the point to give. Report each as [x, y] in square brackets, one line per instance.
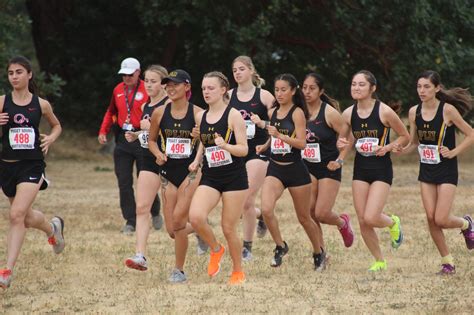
[125, 109]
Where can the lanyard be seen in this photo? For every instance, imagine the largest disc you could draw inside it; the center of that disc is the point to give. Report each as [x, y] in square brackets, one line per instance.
[129, 106]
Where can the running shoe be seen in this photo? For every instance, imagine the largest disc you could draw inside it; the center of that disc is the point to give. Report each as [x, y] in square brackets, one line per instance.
[279, 253]
[396, 233]
[137, 262]
[320, 261]
[346, 231]
[127, 229]
[57, 239]
[237, 277]
[378, 266]
[261, 227]
[202, 246]
[157, 222]
[469, 233]
[246, 254]
[177, 276]
[446, 270]
[215, 261]
[5, 278]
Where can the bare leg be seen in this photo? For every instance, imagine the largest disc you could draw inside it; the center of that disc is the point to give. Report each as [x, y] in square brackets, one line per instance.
[271, 192]
[233, 204]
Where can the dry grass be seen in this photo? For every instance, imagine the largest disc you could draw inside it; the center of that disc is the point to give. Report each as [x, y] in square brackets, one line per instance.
[90, 275]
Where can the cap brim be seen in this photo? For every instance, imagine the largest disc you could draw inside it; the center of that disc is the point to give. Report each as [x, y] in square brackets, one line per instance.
[176, 80]
[126, 71]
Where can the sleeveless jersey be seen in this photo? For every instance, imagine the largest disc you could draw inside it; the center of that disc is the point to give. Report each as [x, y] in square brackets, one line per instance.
[369, 133]
[432, 135]
[285, 126]
[218, 162]
[175, 136]
[21, 139]
[255, 135]
[144, 135]
[318, 132]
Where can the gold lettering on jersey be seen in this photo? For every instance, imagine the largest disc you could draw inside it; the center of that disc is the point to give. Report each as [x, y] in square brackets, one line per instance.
[426, 135]
[208, 138]
[366, 134]
[284, 132]
[173, 133]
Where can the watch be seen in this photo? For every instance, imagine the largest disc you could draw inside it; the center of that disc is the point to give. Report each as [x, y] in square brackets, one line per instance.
[340, 162]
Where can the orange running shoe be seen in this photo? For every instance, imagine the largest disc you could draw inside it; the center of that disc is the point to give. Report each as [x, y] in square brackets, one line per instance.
[238, 277]
[215, 261]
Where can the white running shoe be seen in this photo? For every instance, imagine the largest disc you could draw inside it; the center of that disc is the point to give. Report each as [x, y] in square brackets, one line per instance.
[57, 239]
[137, 262]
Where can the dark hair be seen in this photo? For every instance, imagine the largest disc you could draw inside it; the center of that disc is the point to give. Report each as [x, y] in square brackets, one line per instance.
[458, 97]
[370, 77]
[25, 63]
[224, 82]
[298, 97]
[324, 97]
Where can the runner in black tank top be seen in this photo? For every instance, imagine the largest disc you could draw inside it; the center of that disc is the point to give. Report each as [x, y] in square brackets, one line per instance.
[255, 135]
[224, 176]
[432, 128]
[148, 183]
[287, 170]
[323, 159]
[433, 134]
[22, 162]
[253, 102]
[373, 173]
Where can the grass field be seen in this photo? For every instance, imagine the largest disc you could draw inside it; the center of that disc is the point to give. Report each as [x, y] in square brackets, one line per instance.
[90, 275]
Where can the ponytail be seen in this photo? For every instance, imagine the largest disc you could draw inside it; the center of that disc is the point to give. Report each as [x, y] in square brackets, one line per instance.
[298, 98]
[460, 98]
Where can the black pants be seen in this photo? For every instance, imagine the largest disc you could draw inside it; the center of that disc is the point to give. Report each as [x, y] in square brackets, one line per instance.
[125, 154]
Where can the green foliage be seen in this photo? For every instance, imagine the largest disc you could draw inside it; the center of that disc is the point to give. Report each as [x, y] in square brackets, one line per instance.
[395, 40]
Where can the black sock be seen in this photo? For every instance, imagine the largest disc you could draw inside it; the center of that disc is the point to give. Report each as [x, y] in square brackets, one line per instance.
[248, 245]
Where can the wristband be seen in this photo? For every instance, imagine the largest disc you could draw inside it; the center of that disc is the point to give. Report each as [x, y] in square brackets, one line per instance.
[340, 162]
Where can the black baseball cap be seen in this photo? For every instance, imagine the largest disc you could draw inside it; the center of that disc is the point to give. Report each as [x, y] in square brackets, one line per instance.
[178, 76]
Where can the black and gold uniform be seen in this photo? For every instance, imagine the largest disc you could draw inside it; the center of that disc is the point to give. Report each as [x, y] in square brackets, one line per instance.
[255, 135]
[285, 161]
[21, 144]
[434, 168]
[369, 133]
[221, 170]
[321, 145]
[178, 144]
[149, 160]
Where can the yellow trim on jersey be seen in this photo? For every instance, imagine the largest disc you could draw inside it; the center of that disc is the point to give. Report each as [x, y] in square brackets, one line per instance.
[384, 136]
[228, 134]
[163, 144]
[293, 135]
[442, 133]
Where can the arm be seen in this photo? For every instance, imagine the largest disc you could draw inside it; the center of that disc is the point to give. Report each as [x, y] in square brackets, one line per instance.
[107, 121]
[347, 139]
[451, 115]
[48, 139]
[153, 136]
[193, 167]
[3, 116]
[237, 124]
[414, 142]
[336, 122]
[390, 118]
[299, 142]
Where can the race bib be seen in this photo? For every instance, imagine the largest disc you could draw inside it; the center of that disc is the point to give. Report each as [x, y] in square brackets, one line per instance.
[311, 153]
[22, 138]
[279, 146]
[250, 129]
[178, 148]
[429, 154]
[143, 138]
[217, 156]
[367, 146]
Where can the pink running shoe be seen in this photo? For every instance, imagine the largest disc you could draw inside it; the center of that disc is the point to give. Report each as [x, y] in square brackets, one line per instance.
[469, 233]
[346, 231]
[446, 270]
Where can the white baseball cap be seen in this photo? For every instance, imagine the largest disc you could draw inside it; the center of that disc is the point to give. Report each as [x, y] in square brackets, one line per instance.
[129, 66]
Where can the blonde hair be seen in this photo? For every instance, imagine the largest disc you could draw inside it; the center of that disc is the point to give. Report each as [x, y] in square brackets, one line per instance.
[158, 69]
[246, 60]
[224, 82]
